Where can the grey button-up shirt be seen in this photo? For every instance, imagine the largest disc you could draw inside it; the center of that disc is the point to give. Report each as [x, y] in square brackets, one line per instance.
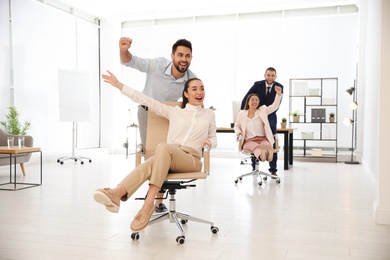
[160, 84]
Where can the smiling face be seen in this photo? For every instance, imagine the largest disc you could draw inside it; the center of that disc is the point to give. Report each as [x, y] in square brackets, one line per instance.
[195, 92]
[252, 101]
[270, 76]
[181, 58]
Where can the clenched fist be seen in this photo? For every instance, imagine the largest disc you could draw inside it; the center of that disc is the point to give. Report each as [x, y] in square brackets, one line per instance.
[125, 43]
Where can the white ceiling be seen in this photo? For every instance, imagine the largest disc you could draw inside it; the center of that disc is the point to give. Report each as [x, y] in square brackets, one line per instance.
[134, 10]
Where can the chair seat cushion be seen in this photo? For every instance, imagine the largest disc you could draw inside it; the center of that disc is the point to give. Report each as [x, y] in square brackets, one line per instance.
[186, 176]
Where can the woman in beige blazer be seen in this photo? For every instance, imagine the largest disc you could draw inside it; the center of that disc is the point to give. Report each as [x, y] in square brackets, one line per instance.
[253, 127]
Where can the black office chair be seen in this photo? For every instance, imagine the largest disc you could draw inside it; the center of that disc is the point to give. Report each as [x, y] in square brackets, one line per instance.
[255, 164]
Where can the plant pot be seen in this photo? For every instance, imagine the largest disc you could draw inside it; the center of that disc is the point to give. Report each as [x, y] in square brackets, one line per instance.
[295, 119]
[283, 124]
[331, 119]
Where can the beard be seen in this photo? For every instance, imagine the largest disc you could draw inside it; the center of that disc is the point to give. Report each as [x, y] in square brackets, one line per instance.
[180, 69]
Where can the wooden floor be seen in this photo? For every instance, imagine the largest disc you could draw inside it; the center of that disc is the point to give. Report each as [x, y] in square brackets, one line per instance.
[318, 211]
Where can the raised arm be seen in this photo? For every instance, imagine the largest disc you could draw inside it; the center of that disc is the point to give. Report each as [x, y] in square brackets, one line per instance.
[137, 96]
[110, 78]
[124, 46]
[278, 98]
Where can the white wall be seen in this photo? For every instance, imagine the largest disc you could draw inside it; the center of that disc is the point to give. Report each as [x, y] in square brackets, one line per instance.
[382, 202]
[375, 64]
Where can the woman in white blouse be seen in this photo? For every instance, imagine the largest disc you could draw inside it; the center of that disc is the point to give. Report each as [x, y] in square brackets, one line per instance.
[253, 126]
[191, 127]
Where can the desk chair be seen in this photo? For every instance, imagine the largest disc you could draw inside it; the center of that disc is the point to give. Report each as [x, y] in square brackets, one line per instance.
[236, 105]
[156, 133]
[255, 164]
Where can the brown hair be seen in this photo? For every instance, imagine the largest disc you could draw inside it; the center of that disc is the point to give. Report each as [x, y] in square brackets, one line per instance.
[270, 69]
[181, 42]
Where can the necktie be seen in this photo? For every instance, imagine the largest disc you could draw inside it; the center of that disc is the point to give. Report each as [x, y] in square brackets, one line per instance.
[267, 96]
[268, 90]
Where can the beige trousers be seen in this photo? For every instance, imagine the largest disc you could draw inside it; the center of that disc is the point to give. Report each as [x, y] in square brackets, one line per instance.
[168, 158]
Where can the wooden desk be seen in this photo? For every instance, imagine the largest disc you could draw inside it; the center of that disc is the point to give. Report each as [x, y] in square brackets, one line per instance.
[288, 142]
[13, 151]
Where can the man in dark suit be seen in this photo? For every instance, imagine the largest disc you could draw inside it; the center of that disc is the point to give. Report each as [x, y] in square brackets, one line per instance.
[266, 91]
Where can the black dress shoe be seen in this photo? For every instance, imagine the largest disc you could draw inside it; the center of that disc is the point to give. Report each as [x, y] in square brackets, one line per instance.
[160, 208]
[274, 175]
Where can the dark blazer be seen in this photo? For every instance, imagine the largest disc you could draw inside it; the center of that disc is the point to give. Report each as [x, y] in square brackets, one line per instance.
[259, 87]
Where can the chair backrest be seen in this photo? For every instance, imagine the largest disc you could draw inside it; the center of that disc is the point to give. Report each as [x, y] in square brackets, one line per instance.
[156, 133]
[157, 130]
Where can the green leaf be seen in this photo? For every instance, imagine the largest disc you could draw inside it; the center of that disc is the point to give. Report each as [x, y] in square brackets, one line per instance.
[12, 124]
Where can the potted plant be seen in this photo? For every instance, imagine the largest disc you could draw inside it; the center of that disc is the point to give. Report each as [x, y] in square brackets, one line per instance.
[283, 124]
[295, 116]
[331, 117]
[12, 124]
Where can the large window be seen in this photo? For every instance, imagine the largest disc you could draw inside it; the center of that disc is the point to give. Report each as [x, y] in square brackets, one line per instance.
[44, 40]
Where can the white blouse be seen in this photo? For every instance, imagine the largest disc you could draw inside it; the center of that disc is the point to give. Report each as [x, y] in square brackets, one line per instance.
[253, 128]
[189, 126]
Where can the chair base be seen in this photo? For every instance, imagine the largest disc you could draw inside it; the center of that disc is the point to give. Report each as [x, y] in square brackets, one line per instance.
[75, 158]
[244, 160]
[173, 216]
[259, 174]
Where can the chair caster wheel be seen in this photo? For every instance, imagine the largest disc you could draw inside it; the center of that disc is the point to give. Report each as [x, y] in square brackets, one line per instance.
[260, 183]
[135, 236]
[277, 181]
[90, 160]
[61, 162]
[265, 178]
[236, 181]
[180, 240]
[82, 162]
[214, 230]
[184, 221]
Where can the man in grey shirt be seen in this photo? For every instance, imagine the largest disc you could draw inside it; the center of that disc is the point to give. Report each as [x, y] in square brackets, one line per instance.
[165, 79]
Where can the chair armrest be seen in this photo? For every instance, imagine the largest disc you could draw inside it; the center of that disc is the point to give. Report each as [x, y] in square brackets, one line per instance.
[206, 159]
[240, 141]
[276, 150]
[138, 154]
[28, 141]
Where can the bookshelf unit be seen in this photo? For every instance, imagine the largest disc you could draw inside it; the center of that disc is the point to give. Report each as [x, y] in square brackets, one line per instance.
[316, 135]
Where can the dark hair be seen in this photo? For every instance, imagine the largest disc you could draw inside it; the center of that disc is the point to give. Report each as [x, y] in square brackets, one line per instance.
[246, 107]
[270, 69]
[181, 42]
[186, 86]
